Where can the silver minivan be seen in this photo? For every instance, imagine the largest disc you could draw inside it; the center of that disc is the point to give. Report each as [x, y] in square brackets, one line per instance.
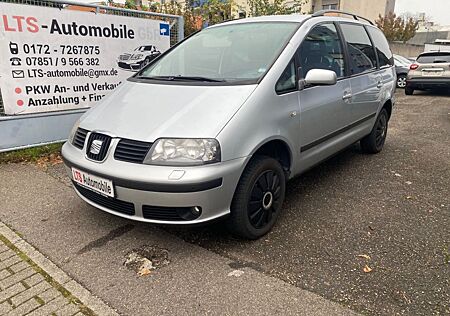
[215, 126]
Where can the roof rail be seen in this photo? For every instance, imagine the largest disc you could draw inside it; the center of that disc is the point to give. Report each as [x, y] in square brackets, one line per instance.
[356, 17]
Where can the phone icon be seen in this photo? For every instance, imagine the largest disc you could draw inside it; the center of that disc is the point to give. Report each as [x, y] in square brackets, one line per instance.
[13, 48]
[15, 61]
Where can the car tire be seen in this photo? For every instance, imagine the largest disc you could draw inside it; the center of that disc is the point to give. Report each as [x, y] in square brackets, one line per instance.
[258, 198]
[401, 81]
[374, 142]
[409, 91]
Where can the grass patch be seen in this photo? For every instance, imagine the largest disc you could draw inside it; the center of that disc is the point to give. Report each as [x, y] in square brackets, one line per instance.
[33, 154]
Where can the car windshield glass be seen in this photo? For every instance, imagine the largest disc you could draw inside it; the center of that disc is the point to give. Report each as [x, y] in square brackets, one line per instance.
[434, 58]
[236, 52]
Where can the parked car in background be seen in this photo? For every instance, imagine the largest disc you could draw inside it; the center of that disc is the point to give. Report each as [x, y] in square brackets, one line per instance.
[403, 60]
[138, 58]
[217, 125]
[431, 71]
[401, 68]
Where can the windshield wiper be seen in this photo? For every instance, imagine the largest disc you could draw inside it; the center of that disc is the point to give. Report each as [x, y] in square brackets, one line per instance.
[180, 78]
[193, 78]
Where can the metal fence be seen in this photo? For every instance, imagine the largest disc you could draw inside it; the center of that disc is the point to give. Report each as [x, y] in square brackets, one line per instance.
[176, 34]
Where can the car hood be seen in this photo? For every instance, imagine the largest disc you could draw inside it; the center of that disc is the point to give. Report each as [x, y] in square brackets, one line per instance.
[145, 112]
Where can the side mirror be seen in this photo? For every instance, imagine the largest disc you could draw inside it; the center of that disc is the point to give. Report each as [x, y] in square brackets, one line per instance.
[320, 77]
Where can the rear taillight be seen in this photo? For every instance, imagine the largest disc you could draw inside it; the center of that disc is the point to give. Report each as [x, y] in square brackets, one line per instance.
[413, 66]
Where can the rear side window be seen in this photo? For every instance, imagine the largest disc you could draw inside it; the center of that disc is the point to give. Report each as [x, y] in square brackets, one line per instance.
[434, 58]
[384, 53]
[360, 49]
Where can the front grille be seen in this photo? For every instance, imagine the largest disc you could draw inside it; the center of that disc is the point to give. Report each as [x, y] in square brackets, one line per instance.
[104, 141]
[109, 203]
[79, 138]
[125, 57]
[161, 213]
[132, 150]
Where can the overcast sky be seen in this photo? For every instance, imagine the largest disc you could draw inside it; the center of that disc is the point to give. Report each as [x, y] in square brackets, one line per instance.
[438, 10]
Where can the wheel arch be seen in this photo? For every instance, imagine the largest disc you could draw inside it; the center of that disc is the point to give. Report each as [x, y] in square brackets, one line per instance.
[388, 106]
[278, 149]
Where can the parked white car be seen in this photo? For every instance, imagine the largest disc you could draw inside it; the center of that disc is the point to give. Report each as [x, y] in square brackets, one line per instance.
[138, 58]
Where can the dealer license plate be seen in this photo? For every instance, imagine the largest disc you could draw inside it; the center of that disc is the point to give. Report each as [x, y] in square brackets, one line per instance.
[94, 183]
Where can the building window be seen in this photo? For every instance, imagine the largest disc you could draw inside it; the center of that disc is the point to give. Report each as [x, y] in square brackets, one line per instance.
[330, 6]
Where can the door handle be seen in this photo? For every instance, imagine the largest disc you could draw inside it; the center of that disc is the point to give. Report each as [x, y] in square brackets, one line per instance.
[347, 96]
[380, 84]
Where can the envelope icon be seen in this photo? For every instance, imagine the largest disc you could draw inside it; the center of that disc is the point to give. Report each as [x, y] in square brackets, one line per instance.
[18, 74]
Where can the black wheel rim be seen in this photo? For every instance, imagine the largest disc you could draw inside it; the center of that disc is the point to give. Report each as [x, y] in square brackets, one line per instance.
[264, 199]
[381, 130]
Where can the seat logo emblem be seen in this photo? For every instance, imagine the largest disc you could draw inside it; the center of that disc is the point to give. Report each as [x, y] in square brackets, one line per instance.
[96, 146]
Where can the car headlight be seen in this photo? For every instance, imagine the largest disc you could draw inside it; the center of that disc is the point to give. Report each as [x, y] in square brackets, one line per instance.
[183, 152]
[138, 56]
[73, 131]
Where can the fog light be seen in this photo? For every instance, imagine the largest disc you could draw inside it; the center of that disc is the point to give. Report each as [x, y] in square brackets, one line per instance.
[189, 213]
[196, 210]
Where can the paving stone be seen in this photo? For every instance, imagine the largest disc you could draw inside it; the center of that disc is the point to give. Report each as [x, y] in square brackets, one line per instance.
[5, 307]
[19, 266]
[34, 279]
[11, 291]
[7, 254]
[17, 277]
[23, 291]
[3, 248]
[9, 262]
[49, 307]
[25, 308]
[4, 274]
[68, 309]
[50, 294]
[30, 293]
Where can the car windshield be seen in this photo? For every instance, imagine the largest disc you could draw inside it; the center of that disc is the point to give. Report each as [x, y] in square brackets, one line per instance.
[236, 52]
[434, 58]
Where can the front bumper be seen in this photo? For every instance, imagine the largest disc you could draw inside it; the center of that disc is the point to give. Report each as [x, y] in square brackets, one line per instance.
[130, 65]
[428, 83]
[140, 187]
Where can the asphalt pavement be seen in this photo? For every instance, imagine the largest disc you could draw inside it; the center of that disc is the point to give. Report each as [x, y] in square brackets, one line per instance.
[359, 233]
[389, 212]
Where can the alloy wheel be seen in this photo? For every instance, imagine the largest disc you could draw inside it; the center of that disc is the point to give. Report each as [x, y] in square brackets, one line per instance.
[401, 82]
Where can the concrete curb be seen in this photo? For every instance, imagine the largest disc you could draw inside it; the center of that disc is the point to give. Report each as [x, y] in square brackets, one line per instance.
[59, 276]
